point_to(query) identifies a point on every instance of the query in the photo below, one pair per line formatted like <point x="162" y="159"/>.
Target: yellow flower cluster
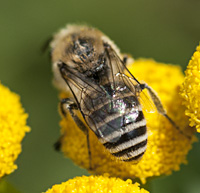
<point x="12" y="129"/>
<point x="167" y="146"/>
<point x="190" y="90"/>
<point x="96" y="184"/>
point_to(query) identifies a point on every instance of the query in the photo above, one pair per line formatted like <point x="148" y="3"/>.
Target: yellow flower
<point x="190" y="90"/>
<point x="96" y="184"/>
<point x="12" y="129"/>
<point x="167" y="146"/>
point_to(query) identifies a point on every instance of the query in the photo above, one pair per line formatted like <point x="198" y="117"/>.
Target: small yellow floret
<point x="190" y="90"/>
<point x="97" y="184"/>
<point x="167" y="147"/>
<point x="12" y="129"/>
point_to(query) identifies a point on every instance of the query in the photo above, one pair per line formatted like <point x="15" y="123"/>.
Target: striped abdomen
<point x="121" y="127"/>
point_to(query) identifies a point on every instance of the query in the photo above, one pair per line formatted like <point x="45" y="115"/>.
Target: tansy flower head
<point x="167" y="146"/>
<point x="190" y="90"/>
<point x="12" y="129"/>
<point x="97" y="184"/>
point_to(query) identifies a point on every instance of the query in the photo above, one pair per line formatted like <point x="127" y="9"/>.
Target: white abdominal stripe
<point x="133" y="151"/>
<point x="130" y="145"/>
<point x="134" y="156"/>
<point x="118" y="133"/>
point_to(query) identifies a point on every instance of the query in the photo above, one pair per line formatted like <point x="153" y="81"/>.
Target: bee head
<point x="87" y="52"/>
<point x="82" y="48"/>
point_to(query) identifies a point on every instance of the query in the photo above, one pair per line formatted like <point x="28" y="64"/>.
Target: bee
<point x="89" y="65"/>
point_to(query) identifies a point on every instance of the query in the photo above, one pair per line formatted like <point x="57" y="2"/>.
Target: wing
<point x="84" y="91"/>
<point x="120" y="107"/>
<point x="123" y="78"/>
<point x="106" y="108"/>
<point x="79" y="85"/>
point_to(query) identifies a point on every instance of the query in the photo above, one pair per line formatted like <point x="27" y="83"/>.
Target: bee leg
<point x="57" y="144"/>
<point x="69" y="105"/>
<point x="156" y="100"/>
<point x="158" y="104"/>
<point x="127" y="59"/>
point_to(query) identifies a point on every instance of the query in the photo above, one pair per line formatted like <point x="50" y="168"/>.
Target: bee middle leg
<point x="68" y="105"/>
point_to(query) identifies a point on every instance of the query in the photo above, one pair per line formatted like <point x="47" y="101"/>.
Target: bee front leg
<point x="68" y="105"/>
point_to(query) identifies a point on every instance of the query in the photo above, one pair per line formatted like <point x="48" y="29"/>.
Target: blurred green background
<point x="167" y="31"/>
